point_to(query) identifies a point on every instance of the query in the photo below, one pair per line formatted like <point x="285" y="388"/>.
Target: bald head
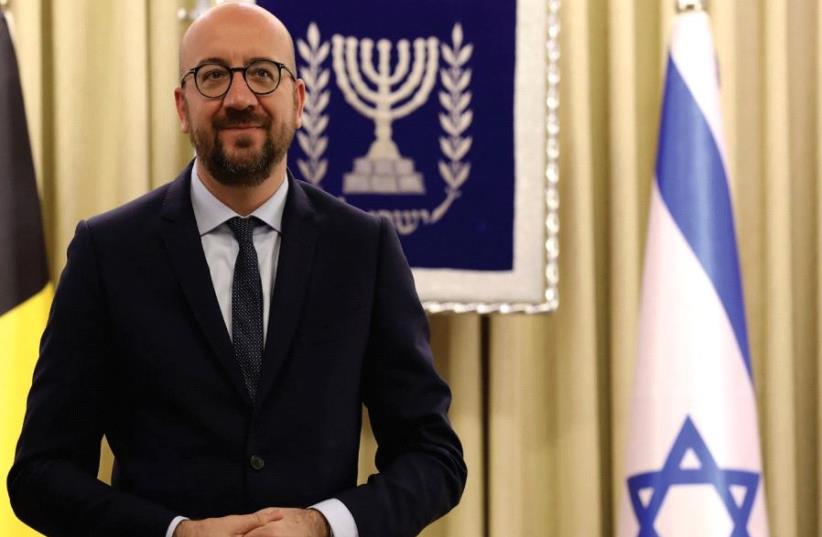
<point x="225" y="25"/>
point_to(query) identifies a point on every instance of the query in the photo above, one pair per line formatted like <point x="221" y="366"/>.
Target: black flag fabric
<point x="23" y="268"/>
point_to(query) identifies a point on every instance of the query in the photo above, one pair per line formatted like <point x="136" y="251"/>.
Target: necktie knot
<point x="243" y="229"/>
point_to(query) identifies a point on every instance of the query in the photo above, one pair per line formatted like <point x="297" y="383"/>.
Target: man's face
<point x="241" y="136"/>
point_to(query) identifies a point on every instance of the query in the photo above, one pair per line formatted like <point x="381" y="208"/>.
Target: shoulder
<point x="129" y="220"/>
<point x="136" y="227"/>
<point x="336" y="213"/>
<point x="133" y="212"/>
<point x="172" y="200"/>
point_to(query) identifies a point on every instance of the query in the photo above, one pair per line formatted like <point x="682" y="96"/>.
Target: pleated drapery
<point x="541" y="403"/>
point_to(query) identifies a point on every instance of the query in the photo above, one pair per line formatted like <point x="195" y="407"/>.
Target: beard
<point x="247" y="167"/>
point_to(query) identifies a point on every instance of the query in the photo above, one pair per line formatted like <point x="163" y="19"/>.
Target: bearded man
<point x="224" y="331"/>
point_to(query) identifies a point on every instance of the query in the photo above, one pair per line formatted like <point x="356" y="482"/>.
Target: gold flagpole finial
<point x="4" y="4"/>
<point x="686" y="6"/>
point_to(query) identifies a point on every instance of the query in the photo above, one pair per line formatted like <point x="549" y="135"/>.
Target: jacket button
<point x="257" y="462"/>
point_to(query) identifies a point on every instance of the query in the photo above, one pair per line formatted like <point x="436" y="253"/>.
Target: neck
<point x="243" y="199"/>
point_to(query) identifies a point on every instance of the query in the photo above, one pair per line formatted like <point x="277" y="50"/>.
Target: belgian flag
<point x="25" y="291"/>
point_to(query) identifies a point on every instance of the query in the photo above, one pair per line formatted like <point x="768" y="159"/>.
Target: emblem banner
<point x="433" y="114"/>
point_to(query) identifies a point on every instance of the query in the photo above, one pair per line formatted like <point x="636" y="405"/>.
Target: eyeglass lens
<point x="261" y="76"/>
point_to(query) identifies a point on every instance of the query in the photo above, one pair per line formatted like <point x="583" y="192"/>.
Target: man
<point x="224" y="331"/>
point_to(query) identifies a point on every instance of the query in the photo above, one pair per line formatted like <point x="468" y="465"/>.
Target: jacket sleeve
<point x="419" y="457"/>
<point x="52" y="484"/>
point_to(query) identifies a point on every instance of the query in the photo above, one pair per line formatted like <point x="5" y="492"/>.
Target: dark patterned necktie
<point x="247" y="305"/>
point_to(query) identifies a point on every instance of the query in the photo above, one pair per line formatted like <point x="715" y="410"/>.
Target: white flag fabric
<point x="693" y="460"/>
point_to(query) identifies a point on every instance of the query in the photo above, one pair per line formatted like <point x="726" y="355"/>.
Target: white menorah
<point x="383" y="170"/>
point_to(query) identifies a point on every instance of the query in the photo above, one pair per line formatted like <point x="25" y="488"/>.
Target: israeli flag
<point x="693" y="461"/>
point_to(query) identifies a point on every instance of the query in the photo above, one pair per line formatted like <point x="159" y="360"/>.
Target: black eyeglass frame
<point x="244" y="70"/>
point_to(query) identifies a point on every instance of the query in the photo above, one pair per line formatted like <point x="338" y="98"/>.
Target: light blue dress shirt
<point x="221" y="248"/>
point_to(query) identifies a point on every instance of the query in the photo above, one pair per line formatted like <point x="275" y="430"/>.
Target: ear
<point x="180" y="103"/>
<point x="299" y="101"/>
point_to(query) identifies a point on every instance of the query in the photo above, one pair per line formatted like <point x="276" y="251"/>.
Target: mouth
<point x="245" y="135"/>
<point x="240" y="127"/>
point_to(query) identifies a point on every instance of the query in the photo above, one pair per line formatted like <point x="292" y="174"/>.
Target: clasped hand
<point x="270" y="522"/>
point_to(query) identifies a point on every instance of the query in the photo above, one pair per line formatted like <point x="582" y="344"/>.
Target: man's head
<point x="241" y="136"/>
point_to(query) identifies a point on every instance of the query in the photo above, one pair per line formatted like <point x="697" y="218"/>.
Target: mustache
<point x="241" y="118"/>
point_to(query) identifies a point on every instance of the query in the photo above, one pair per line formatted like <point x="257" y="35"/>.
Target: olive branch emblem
<point x="311" y="139"/>
<point x="456" y="119"/>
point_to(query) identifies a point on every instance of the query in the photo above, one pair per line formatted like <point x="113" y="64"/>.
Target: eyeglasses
<point x="213" y="80"/>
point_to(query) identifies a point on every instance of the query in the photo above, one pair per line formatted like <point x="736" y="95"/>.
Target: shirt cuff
<point x="338" y="516"/>
<point x="173" y="526"/>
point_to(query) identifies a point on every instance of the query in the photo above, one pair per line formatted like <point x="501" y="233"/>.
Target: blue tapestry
<point x="411" y="114"/>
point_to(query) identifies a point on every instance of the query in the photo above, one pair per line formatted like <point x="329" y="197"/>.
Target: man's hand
<point x="228" y="526"/>
<point x="294" y="523"/>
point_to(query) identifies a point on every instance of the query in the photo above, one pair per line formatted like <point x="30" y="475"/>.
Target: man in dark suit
<point x="224" y="331"/>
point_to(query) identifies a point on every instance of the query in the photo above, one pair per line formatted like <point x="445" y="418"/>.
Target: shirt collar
<point x="210" y="213"/>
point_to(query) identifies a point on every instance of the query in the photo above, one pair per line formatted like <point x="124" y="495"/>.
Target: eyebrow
<point x="221" y="61"/>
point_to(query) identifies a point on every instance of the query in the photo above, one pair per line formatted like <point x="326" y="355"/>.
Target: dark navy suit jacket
<point x="136" y="349"/>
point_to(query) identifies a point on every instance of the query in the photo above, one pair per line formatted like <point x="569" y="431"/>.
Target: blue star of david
<point x="673" y="474"/>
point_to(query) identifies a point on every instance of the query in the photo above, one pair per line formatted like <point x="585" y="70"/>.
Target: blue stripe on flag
<point x="693" y="183"/>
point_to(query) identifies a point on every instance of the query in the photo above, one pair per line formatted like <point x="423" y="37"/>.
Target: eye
<point x="261" y="73"/>
<point x="212" y="73"/>
<point x="215" y="74"/>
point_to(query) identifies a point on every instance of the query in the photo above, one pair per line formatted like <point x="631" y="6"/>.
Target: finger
<point x="270" y="514"/>
<point x="262" y="531"/>
<point x="244" y="523"/>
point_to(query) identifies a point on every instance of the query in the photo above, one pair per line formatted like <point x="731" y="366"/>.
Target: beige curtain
<point x="98" y="78"/>
<point x="540" y="402"/>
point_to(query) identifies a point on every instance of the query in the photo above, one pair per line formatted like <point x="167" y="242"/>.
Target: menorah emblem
<point x="389" y="97"/>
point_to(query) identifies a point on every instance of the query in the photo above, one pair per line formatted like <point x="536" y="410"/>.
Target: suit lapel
<point x="299" y="237"/>
<point x="182" y="241"/>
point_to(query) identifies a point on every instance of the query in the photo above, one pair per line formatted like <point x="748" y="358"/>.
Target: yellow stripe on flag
<point x="20" y="331"/>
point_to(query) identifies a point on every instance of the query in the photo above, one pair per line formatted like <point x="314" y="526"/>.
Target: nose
<point x="239" y="96"/>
